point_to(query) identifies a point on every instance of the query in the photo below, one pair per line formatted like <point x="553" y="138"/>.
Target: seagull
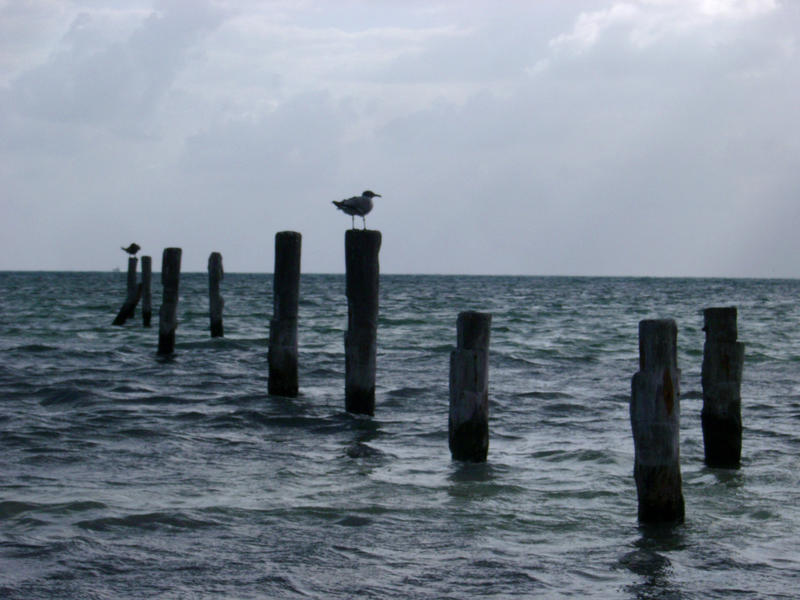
<point x="132" y="249"/>
<point x="357" y="205"/>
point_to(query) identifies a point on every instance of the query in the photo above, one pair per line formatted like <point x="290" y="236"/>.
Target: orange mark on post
<point x="668" y="391"/>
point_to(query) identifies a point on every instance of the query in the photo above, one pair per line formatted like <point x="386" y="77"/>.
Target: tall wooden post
<point x="215" y="301"/>
<point x="468" y="423"/>
<point x="360" y="341"/>
<point x="132" y="262"/>
<point x="283" y="325"/>
<point x="655" y="420"/>
<point x="723" y="360"/>
<point x="168" y="313"/>
<point x="147" y="294"/>
<point x="133" y="294"/>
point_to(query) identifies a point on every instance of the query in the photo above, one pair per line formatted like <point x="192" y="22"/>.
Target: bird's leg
<point x="353" y="219"/>
<point x="365" y="222"/>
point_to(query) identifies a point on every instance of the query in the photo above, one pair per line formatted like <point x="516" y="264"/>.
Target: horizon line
<point x="576" y="276"/>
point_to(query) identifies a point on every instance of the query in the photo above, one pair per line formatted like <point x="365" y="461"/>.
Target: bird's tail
<point x="338" y="203"/>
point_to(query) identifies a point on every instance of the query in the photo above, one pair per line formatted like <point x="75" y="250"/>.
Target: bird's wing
<point x="358" y="204"/>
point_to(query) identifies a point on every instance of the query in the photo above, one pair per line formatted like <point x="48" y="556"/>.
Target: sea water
<point x="126" y="475"/>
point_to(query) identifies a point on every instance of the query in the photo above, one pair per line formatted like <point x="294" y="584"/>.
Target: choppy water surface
<point x="129" y="476"/>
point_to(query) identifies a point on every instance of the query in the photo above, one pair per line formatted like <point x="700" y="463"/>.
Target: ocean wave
<point x="544" y="395"/>
<point x="10" y="508"/>
<point x="33" y="349"/>
<point x="217" y="344"/>
<point x="249" y="418"/>
<point x="154" y="521"/>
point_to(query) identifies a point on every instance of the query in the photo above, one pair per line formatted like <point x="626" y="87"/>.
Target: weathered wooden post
<point x="168" y="313"/>
<point x="468" y="423"/>
<point x="147" y="294"/>
<point x="283" y="325"/>
<point x="655" y="420"/>
<point x="360" y="341"/>
<point x="132" y="298"/>
<point x="215" y="301"/>
<point x="723" y="360"/>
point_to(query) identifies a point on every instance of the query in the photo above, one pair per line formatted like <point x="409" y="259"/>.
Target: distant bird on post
<point x="357" y="206"/>
<point x="132" y="249"/>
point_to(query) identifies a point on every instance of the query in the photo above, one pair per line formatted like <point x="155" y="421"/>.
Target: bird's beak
<point x="379" y="196"/>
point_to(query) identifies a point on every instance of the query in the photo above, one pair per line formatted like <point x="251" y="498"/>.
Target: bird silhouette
<point x="357" y="206"/>
<point x="132" y="249"/>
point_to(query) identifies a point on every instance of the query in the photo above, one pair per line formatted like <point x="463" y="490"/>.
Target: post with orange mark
<point x="468" y="422"/>
<point x="723" y="359"/>
<point x="655" y="420"/>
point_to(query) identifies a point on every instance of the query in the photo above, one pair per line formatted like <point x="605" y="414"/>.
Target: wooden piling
<point x="168" y="313"/>
<point x="655" y="420"/>
<point x="215" y="301"/>
<point x="133" y="294"/>
<point x="360" y="342"/>
<point x="468" y="422"/>
<point x="147" y="294"/>
<point x="723" y="361"/>
<point x="283" y="325"/>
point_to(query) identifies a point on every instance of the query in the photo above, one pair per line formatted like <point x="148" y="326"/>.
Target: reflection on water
<point x="649" y="563"/>
<point x="470" y="472"/>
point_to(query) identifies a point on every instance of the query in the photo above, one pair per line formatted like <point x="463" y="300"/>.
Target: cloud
<point x="91" y="79"/>
<point x="648" y="21"/>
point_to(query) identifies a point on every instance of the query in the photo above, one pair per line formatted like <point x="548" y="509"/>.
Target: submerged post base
<point x="360" y="401"/>
<point x="166" y="343"/>
<point x="282" y="358"/>
<point x="470" y="440"/>
<point x="659" y="489"/>
<point x="722" y="441"/>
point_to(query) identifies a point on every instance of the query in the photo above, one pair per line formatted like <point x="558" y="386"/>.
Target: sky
<point x="541" y="137"/>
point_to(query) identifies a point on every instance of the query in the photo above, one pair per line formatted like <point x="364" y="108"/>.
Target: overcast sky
<point x="630" y="137"/>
